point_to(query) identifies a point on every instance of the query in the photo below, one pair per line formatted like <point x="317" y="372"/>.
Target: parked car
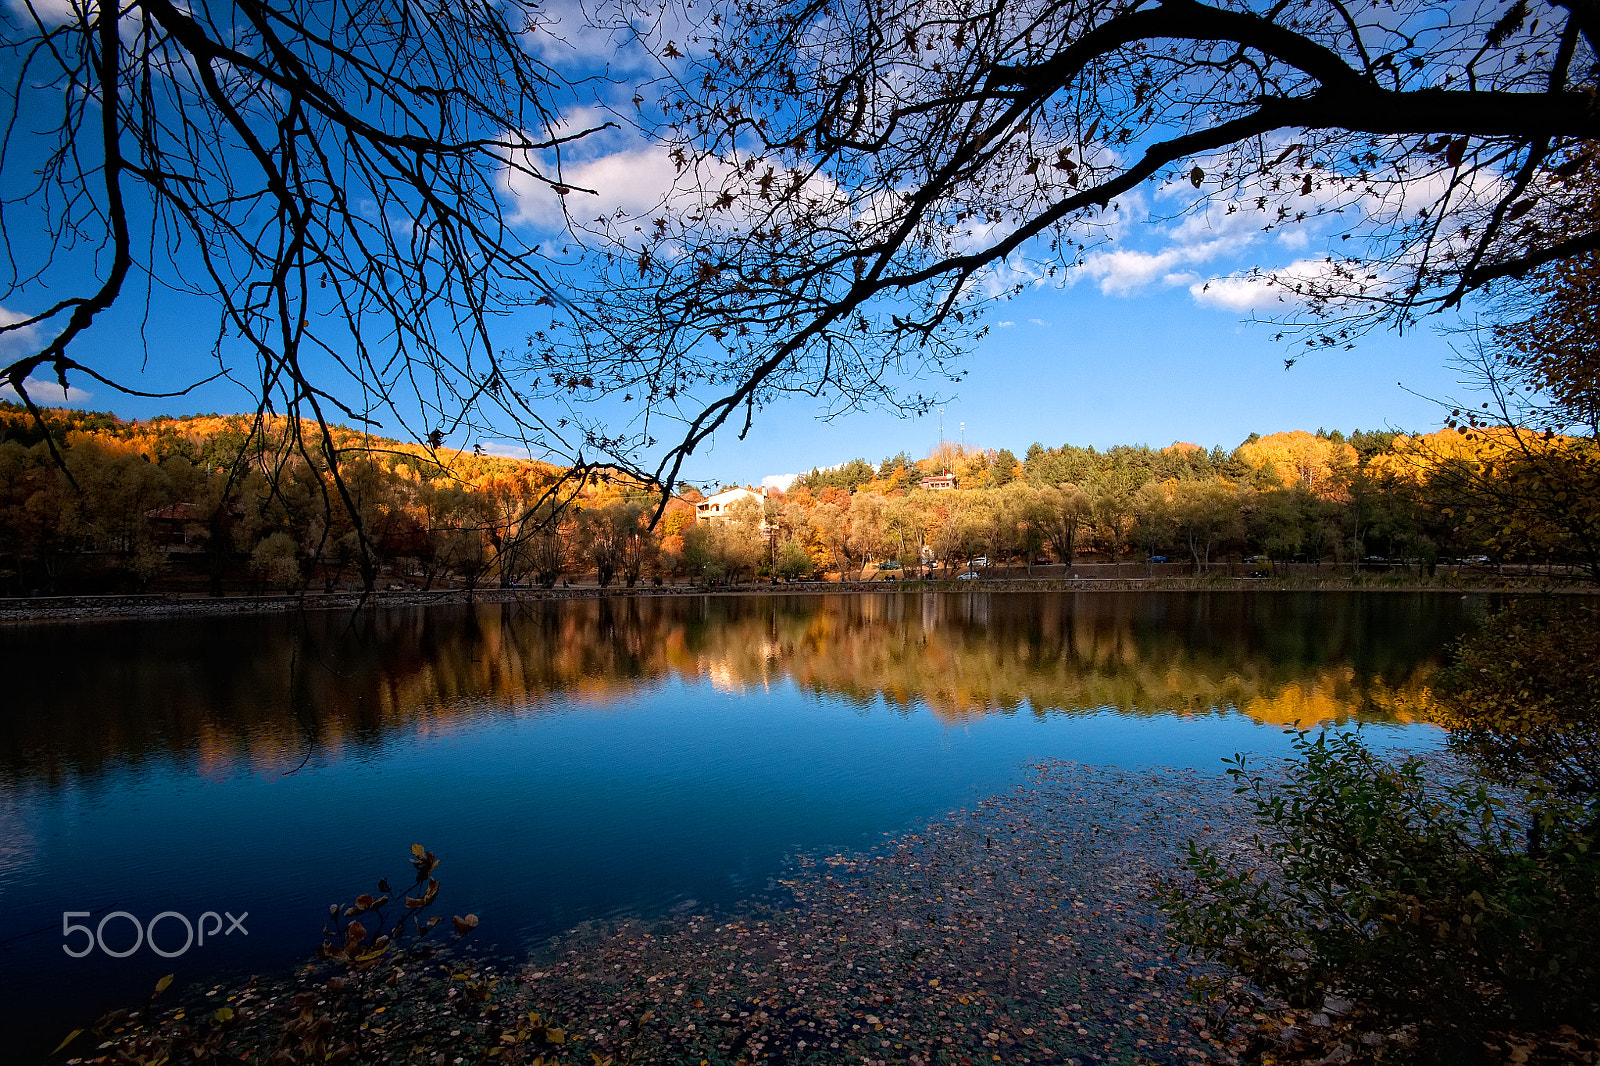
<point x="1476" y="560"/>
<point x="968" y="576"/>
<point x="1256" y="559"/>
<point x="979" y="563"/>
<point x="1156" y="559"/>
<point x="889" y="564"/>
<point x="1041" y="561"/>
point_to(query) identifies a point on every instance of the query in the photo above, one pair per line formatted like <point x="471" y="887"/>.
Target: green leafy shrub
<point x="1423" y="904"/>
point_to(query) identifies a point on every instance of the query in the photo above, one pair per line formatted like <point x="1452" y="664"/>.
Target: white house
<point x="715" y="508"/>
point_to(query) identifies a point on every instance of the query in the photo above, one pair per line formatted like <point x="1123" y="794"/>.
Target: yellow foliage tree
<point x="1312" y="462"/>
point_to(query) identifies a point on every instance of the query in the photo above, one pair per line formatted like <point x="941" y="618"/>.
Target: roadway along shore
<point x="34" y="609"/>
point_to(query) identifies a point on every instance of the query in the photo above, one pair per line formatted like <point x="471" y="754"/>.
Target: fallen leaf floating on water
<point x="1021" y="931"/>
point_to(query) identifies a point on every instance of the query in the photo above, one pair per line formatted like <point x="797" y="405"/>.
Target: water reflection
<point x="579" y="761"/>
<point x="258" y="695"/>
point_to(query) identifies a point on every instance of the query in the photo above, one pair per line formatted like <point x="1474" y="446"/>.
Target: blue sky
<point x="1082" y="367"/>
<point x="1147" y="343"/>
<point x="1075" y="365"/>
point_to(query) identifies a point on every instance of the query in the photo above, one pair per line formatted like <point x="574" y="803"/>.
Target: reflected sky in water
<point x="581" y="760"/>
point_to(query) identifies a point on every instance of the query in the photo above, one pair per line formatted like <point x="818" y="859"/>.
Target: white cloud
<point x="614" y="172"/>
<point x="51" y="13"/>
<point x="634" y="180"/>
<point x="781" y="482"/>
<point x="26" y="335"/>
<point x="1038" y="322"/>
<point x="19" y="343"/>
<point x="47" y="393"/>
<point x="1288" y="285"/>
<point x="1212" y="242"/>
<point x="1003" y="325"/>
<point x="1123" y="272"/>
<point x="1214" y="230"/>
<point x="1250" y="292"/>
<point x="580" y="38"/>
<point x="505" y="449"/>
<point x="1296" y="240"/>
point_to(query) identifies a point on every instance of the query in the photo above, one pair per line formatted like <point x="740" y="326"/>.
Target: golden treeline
<point x="239" y="504"/>
<point x="235" y="503"/>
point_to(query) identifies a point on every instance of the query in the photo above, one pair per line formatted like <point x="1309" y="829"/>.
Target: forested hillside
<point x="227" y="504"/>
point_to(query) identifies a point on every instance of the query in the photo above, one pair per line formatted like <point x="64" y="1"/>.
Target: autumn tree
<point x="1003" y="470"/>
<point x="327" y="178"/>
<point x="1540" y="354"/>
<point x="722" y="549"/>
<point x="897" y="469"/>
<point x="830" y="525"/>
<point x="1522" y="495"/>
<point x="793" y="561"/>
<point x="906" y="524"/>
<point x="1205" y="513"/>
<point x="1534" y="473"/>
<point x="1311" y="461"/>
<point x="869" y="527"/>
<point x="848" y="476"/>
<point x="614" y="538"/>
<point x="1274" y="523"/>
<point x="942" y="525"/>
<point x="1071" y="511"/>
<point x="947" y="456"/>
<point x="543" y="545"/>
<point x="1115" y="512"/>
<point x="639" y="549"/>
<point x="1151" y="508"/>
<point x="451" y="524"/>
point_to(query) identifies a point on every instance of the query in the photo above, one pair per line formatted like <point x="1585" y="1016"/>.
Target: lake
<point x="584" y="760"/>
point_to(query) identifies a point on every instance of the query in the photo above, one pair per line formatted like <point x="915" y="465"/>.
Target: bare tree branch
<point x="859" y="179"/>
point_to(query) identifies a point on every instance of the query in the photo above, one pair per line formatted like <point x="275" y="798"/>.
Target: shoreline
<point x="42" y="609"/>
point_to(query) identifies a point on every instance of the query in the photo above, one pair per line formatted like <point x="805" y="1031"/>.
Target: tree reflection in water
<point x="248" y="694"/>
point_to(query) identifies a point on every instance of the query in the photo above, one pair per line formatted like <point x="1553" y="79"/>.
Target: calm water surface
<point x="583" y="760"/>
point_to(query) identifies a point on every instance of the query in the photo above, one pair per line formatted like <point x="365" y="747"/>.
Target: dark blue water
<point x="581" y="761"/>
